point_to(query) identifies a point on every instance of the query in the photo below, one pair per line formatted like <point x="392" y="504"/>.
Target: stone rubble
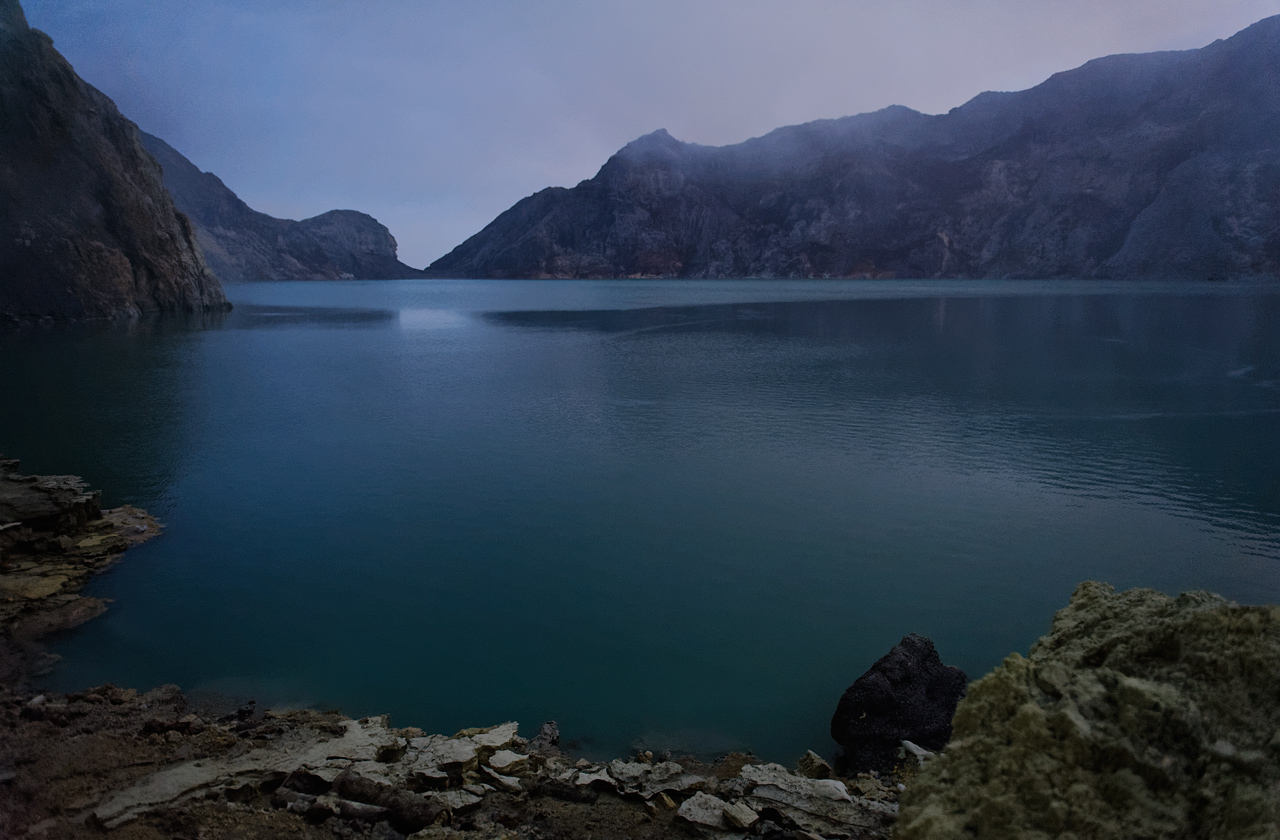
<point x="364" y="771"/>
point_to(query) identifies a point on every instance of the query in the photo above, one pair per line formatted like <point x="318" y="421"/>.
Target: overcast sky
<point x="436" y="115"/>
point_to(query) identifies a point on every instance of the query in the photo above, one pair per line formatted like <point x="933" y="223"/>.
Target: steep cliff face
<point x="87" y="230"/>
<point x="1157" y="165"/>
<point x="242" y="244"/>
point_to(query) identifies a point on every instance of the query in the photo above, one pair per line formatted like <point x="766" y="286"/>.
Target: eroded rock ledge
<point x="53" y="536"/>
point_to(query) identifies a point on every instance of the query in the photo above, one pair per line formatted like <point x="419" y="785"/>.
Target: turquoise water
<point x="671" y="514"/>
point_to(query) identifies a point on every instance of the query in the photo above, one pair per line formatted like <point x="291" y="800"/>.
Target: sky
<point x="434" y="116"/>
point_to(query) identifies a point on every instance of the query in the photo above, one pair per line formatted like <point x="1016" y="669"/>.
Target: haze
<point x="435" y="116"/>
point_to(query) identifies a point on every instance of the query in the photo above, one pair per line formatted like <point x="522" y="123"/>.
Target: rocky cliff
<point x="1156" y="165"/>
<point x="86" y="227"/>
<point x="242" y="244"/>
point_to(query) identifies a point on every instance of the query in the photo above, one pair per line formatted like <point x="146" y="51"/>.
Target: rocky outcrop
<point x="242" y="244"/>
<point x="87" y="229"/>
<point x="907" y="695"/>
<point x="1137" y="716"/>
<point x="53" y="537"/>
<point x="1162" y="165"/>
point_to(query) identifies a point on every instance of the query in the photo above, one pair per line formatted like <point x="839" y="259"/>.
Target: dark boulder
<point x="907" y="695"/>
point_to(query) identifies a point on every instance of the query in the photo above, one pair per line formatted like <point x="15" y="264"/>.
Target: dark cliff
<point x="1155" y="165"/>
<point x="242" y="244"/>
<point x="87" y="230"/>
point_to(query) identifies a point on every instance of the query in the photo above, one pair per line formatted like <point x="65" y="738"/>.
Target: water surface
<point x="676" y="514"/>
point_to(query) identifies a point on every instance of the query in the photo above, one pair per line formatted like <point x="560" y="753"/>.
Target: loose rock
<point x="907" y="694"/>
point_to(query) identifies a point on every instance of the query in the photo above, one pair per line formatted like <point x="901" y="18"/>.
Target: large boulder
<point x="1137" y="716"/>
<point x="908" y="694"/>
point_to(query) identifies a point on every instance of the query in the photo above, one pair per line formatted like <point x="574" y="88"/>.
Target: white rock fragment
<point x="508" y="762"/>
<point x="740" y="815"/>
<point x="497" y="737"/>
<point x="823" y="806"/>
<point x="455" y="800"/>
<point x="650" y="779"/>
<point x="601" y="775"/>
<point x="628" y="773"/>
<point x="507" y="783"/>
<point x="439" y="751"/>
<point x="920" y="754"/>
<point x="704" y="809"/>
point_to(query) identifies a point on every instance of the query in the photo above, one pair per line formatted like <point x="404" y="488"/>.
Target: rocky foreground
<point x="1137" y="716"/>
<point x="140" y="765"/>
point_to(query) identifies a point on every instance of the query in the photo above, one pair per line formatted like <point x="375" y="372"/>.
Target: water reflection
<point x="248" y="316"/>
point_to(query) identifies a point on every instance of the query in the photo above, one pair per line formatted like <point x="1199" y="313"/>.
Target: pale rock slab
<point x="705" y="810"/>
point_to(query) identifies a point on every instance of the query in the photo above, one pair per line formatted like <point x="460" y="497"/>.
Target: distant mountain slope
<point x="1155" y="165"/>
<point x="86" y="228"/>
<point x="242" y="244"/>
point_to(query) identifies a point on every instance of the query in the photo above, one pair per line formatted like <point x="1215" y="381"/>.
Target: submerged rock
<point x="1137" y="716"/>
<point x="908" y="694"/>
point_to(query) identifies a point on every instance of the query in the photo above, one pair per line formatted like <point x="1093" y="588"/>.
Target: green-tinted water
<point x="684" y="514"/>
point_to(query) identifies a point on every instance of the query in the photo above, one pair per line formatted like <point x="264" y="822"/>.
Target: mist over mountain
<point x="242" y="244"/>
<point x="1153" y="165"/>
<point x="86" y="228"/>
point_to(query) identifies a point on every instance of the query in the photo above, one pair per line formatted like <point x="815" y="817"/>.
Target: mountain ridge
<point x="1159" y="164"/>
<point x="242" y="244"/>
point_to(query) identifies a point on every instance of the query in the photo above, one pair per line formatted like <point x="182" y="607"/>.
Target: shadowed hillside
<point x="1156" y="165"/>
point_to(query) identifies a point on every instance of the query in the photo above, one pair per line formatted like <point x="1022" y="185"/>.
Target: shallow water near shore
<point x="665" y="513"/>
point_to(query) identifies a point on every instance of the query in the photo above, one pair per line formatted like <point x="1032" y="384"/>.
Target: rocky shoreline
<point x="1138" y="715"/>
<point x="130" y="764"/>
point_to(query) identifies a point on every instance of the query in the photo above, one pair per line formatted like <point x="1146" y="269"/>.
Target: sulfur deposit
<point x="1137" y="716"/>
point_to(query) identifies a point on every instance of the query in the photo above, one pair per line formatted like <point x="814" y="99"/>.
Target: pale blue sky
<point x="435" y="116"/>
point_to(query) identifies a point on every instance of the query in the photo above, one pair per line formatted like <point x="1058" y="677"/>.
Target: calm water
<point x="678" y="514"/>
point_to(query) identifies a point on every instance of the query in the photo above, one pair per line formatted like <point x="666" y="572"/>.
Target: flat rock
<point x="821" y="805"/>
<point x="651" y="779"/>
<point x="508" y="783"/>
<point x="455" y="800"/>
<point x="600" y="776"/>
<point x="360" y="740"/>
<point x="705" y="810"/>
<point x="30" y="587"/>
<point x="440" y="751"/>
<point x="496" y="737"/>
<point x="506" y="761"/>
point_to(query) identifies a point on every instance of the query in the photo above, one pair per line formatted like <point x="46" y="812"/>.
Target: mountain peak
<point x="658" y="142"/>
